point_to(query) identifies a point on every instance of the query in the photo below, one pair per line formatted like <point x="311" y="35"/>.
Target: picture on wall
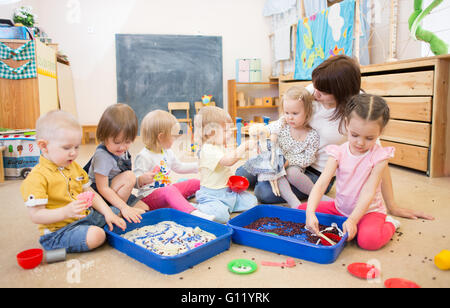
<point x="323" y="35"/>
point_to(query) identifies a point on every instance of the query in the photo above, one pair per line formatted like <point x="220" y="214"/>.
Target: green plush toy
<point x="437" y="46"/>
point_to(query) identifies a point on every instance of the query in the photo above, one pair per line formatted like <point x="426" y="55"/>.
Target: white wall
<point x="407" y="48"/>
<point x="85" y="30"/>
<point x="437" y="22"/>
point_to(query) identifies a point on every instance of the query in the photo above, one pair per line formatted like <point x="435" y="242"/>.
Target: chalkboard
<point x="153" y="70"/>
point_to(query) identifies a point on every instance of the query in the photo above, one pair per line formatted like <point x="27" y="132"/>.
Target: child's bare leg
<point x="95" y="237"/>
<point x="123" y="184"/>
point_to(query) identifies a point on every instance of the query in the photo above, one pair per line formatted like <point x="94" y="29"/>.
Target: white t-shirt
<point x="147" y="160"/>
<point x="328" y="131"/>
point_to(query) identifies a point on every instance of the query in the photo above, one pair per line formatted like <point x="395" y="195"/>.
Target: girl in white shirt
<point x="156" y="161"/>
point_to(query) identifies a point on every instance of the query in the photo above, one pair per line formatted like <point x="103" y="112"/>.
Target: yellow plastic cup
<point x="442" y="260"/>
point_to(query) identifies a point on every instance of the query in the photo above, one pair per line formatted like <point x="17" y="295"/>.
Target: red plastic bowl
<point x="335" y="238"/>
<point x="30" y="258"/>
<point x="238" y="183"/>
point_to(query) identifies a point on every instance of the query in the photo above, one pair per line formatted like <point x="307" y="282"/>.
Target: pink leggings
<point x="373" y="231"/>
<point x="173" y="196"/>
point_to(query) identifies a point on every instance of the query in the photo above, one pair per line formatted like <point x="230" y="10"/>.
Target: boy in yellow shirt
<point x="50" y="190"/>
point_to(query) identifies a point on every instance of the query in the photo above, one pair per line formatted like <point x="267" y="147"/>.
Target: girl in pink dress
<point x="358" y="165"/>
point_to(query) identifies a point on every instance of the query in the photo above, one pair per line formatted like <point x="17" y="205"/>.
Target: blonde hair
<point x="155" y="123"/>
<point x="300" y="94"/>
<point x="51" y="123"/>
<point x="117" y="118"/>
<point x="210" y="121"/>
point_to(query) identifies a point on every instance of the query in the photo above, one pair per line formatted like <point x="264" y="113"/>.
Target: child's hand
<point x="311" y="223"/>
<point x="147" y="178"/>
<point x="73" y="209"/>
<point x="114" y="219"/>
<point x="350" y="227"/>
<point x="132" y="214"/>
<point x="409" y="213"/>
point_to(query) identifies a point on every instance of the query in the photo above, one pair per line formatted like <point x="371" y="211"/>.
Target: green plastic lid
<point x="242" y="266"/>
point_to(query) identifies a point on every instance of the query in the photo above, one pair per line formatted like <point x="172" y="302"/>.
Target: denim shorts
<point x="73" y="236"/>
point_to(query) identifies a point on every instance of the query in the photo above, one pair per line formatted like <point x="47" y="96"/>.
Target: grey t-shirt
<point x="105" y="164"/>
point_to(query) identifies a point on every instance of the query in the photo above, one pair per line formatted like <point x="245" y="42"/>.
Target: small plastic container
<point x="238" y="183"/>
<point x="55" y="255"/>
<point x="30" y="258"/>
<point x="172" y="264"/>
<point x="281" y="244"/>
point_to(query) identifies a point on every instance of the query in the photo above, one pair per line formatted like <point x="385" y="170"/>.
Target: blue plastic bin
<point x="282" y="244"/>
<point x="172" y="264"/>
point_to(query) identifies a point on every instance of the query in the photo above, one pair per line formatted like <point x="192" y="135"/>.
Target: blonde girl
<point x="110" y="167"/>
<point x="298" y="143"/>
<point x="156" y="161"/>
<point x="213" y="125"/>
<point x="358" y="164"/>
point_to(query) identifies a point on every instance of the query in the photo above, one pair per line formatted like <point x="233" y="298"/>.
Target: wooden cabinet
<point x="23" y="101"/>
<point x="418" y="95"/>
<point x="253" y="93"/>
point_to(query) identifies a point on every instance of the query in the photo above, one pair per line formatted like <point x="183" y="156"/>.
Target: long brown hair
<point x="339" y="76"/>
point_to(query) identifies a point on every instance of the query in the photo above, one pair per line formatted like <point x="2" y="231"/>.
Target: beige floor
<point x="409" y="255"/>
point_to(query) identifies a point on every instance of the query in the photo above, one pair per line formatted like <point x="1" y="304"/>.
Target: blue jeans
<point x="73" y="236"/>
<point x="263" y="190"/>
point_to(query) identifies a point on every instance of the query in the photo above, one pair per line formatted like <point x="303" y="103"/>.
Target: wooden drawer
<point x="414" y="133"/>
<point x="284" y="86"/>
<point x="408" y="155"/>
<point x="410" y="108"/>
<point x="401" y="84"/>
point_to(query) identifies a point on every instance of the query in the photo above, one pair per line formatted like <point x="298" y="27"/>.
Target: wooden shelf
<point x="258" y="83"/>
<point x="256" y="107"/>
<point x="257" y="90"/>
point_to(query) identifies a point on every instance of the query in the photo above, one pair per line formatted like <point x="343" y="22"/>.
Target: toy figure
<point x="266" y="161"/>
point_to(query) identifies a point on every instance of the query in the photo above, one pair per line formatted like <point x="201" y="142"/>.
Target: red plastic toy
<point x="238" y="183"/>
<point x="30" y="258"/>
<point x="400" y="283"/>
<point x="87" y="196"/>
<point x="290" y="262"/>
<point x="335" y="238"/>
<point x="363" y="270"/>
